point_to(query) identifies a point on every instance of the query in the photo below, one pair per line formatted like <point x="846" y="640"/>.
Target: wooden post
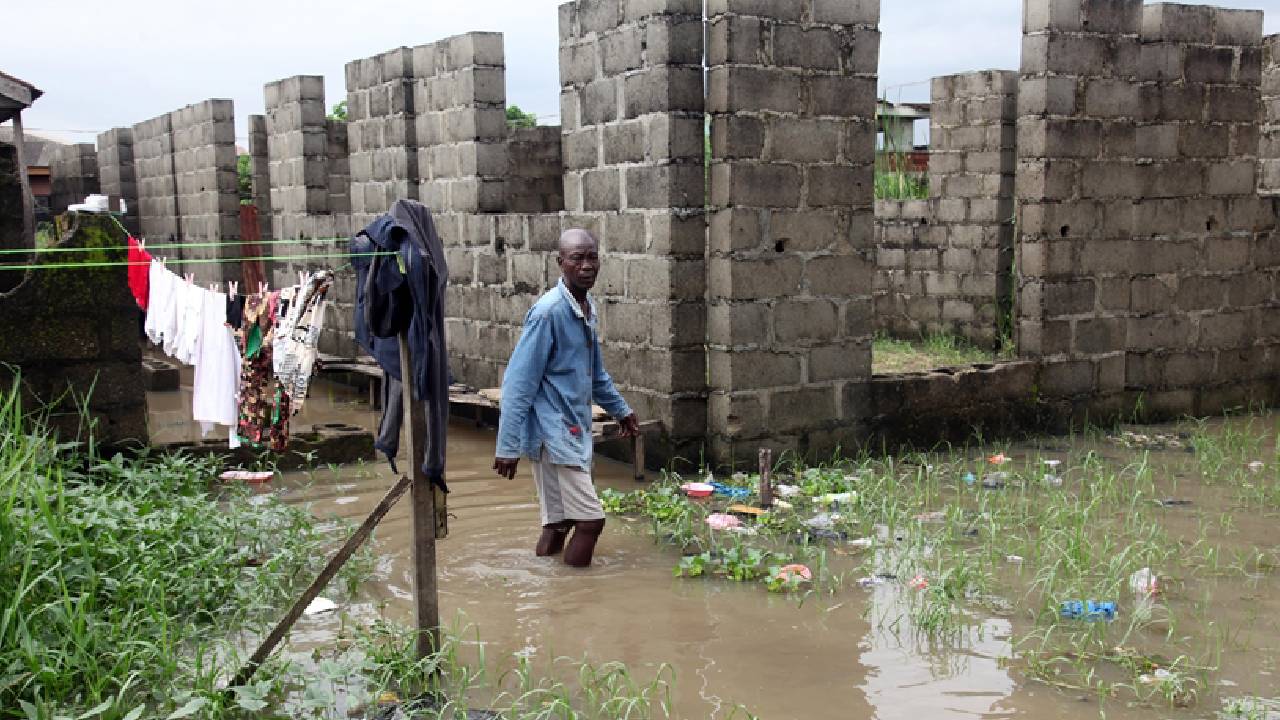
<point x="766" y="481"/>
<point x="637" y="445"/>
<point x="355" y="541"/>
<point x="426" y="597"/>
<point x="28" y="208"/>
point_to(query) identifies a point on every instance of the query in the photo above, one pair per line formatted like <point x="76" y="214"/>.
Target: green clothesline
<point x="165" y="245"/>
<point x="194" y="261"/>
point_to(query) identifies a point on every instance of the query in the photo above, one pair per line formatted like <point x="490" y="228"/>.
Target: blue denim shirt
<point x="555" y="373"/>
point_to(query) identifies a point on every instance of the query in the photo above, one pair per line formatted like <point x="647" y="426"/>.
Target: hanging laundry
<point x="160" y="322"/>
<point x="190" y="313"/>
<point x="298" y="336"/>
<point x="217" y="376"/>
<point x="139" y="272"/>
<point x="416" y="276"/>
<point x="264" y="406"/>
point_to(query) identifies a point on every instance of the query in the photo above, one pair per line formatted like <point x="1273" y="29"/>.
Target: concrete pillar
<point x="260" y="163"/>
<point x="381" y="133"/>
<point x="116" y="173"/>
<point x="74" y="175"/>
<point x="792" y="99"/>
<point x="297" y="146"/>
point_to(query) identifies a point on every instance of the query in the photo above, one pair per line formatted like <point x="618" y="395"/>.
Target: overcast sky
<point x="113" y="64"/>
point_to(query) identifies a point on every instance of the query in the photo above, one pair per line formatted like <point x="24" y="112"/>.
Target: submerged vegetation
<point x="945" y="540"/>
<point x="135" y="587"/>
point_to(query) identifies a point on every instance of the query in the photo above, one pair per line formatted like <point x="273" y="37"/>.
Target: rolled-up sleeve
<point x="521" y="383"/>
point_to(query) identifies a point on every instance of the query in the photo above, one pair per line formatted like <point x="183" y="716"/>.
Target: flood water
<point x="731" y="645"/>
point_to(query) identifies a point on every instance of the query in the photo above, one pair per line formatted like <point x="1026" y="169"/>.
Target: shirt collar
<point x="573" y="303"/>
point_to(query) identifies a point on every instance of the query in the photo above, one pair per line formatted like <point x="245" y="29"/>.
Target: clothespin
<point x="190" y="278"/>
<point x="142" y="243"/>
<point x="263" y="288"/>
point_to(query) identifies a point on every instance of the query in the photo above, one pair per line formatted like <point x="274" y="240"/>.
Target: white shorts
<point x="565" y="492"/>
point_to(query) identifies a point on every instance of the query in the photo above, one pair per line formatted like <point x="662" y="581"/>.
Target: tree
<point x="339" y="112"/>
<point x="517" y="118"/>
<point x="244" y="171"/>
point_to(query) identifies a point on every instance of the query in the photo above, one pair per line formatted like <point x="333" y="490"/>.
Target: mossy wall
<point x="72" y="334"/>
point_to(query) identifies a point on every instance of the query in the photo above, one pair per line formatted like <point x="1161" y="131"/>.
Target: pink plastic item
<point x="248" y="476"/>
<point x="720" y="521"/>
<point x="697" y="489"/>
<point x="795" y="571"/>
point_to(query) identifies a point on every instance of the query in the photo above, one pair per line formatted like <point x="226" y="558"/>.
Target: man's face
<point x="580" y="262"/>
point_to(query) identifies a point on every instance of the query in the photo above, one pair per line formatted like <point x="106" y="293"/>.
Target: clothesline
<point x="193" y="261"/>
<point x="163" y="245"/>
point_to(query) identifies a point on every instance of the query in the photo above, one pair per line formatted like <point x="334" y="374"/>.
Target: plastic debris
<point x="970" y="478"/>
<point x="783" y="504"/>
<point x="1160" y="675"/>
<point x="999" y="459"/>
<point x="248" y="476"/>
<point x="720" y="521"/>
<point x="1144" y="583"/>
<point x="740" y="477"/>
<point x="1053" y="463"/>
<point x="1256" y="466"/>
<point x="865" y="542"/>
<point x="730" y="491"/>
<point x="1052" y="480"/>
<point x="837" y="498"/>
<point x="919" y="582"/>
<point x="786" y="490"/>
<point x="745" y="510"/>
<point x="870" y="581"/>
<point x="823" y="521"/>
<point x="996" y="481"/>
<point x="387" y="697"/>
<point x="795" y="571"/>
<point x="1173" y="502"/>
<point x="698" y="489"/>
<point x="1089" y="610"/>
<point x="743" y="530"/>
<point x="936" y="516"/>
<point x="320" y="605"/>
<point x="1013" y="559"/>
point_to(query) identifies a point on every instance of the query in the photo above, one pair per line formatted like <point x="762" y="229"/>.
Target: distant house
<point x="38" y="153"/>
<point x="896" y="135"/>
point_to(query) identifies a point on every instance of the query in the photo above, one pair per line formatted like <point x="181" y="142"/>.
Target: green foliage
<point x="339" y="112"/>
<point x="894" y="355"/>
<point x="517" y="118"/>
<point x="244" y="178"/>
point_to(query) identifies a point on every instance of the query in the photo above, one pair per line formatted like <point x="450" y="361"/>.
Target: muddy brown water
<point x="731" y="645"/>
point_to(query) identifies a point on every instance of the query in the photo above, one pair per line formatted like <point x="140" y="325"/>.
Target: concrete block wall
<point x="381" y="133"/>
<point x="259" y="161"/>
<point x="116" y="175"/>
<point x="792" y="98"/>
<point x="1269" y="142"/>
<point x="534" y="182"/>
<point x="1146" y="255"/>
<point x="459" y="101"/>
<point x="945" y="264"/>
<point x="74" y="175"/>
<point x="338" y="165"/>
<point x="157" y="183"/>
<point x="297" y="152"/>
<point x="632" y="117"/>
<point x="206" y="177"/>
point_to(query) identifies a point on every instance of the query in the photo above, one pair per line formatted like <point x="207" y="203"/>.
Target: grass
<point x="960" y="534"/>
<point x="893" y="356"/>
<point x="900" y="185"/>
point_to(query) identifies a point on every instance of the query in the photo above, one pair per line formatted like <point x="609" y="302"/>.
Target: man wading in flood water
<point x="555" y="373"/>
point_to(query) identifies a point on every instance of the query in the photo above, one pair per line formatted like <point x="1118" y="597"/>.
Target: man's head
<point x="579" y="259"/>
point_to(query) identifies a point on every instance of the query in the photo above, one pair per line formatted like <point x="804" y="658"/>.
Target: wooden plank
<point x="28" y="207"/>
<point x="339" y="559"/>
<point x="426" y="597"/>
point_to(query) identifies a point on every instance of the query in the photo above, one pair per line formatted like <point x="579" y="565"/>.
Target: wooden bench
<point x="466" y="401"/>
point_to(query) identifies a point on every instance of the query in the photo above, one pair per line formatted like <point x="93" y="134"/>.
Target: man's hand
<point x="506" y="468"/>
<point x="629" y="426"/>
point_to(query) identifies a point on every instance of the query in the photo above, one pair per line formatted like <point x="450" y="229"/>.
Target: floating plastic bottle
<point x="1089" y="610"/>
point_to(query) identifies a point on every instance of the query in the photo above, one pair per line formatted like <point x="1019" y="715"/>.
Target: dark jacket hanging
<point x="398" y="293"/>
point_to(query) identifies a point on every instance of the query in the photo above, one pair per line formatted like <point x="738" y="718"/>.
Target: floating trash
<point x="936" y="516"/>
<point x="1159" y="676"/>
<point x="746" y="510"/>
<point x="838" y="498"/>
<point x="919" y="582"/>
<point x="1131" y="439"/>
<point x="999" y="459"/>
<point x="823" y="521"/>
<point x="870" y="581"/>
<point x="1144" y="583"/>
<point x="1053" y="463"/>
<point x="1052" y="480"/>
<point x="248" y="476"/>
<point x="1256" y="466"/>
<point x="698" y="489"/>
<point x="970" y="478"/>
<point x="720" y="521"/>
<point x="865" y="542"/>
<point x="794" y="572"/>
<point x="778" y="503"/>
<point x="996" y="481"/>
<point x="730" y="491"/>
<point x="1090" y="610"/>
<point x="320" y="605"/>
<point x="740" y="478"/>
<point x="786" y="491"/>
<point x="1013" y="559"/>
<point x="1173" y="502"/>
